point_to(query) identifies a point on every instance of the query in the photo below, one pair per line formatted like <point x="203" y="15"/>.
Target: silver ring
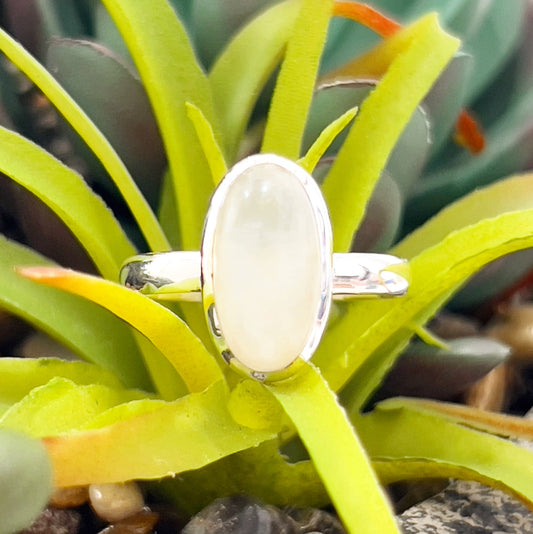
<point x="266" y="273"/>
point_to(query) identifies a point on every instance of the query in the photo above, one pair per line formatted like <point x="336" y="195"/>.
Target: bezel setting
<point x="323" y="236"/>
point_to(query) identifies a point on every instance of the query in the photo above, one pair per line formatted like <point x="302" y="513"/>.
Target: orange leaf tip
<point x="367" y="16"/>
<point x="42" y="273"/>
<point x="468" y="133"/>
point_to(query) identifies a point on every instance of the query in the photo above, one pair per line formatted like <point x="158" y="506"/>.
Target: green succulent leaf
<point x="155" y="43"/>
<point x="91" y="135"/>
<point x="251" y="405"/>
<point x="381" y="223"/>
<point x="509" y="147"/>
<point x="261" y="471"/>
<point x="165" y="330"/>
<point x="206" y="136"/>
<point x="59" y="19"/>
<point x="443" y="373"/>
<point x="410" y="152"/>
<point x="509" y="195"/>
<point x="451" y="10"/>
<point x="61" y="406"/>
<point x="61" y="189"/>
<point x="443" y="253"/>
<point x="445" y="100"/>
<point x="107" y="34"/>
<point x="18" y="376"/>
<point x="290" y="102"/>
<point x="25" y="471"/>
<point x="168" y="212"/>
<point x="490" y="32"/>
<point x="243" y="68"/>
<point x="326" y="138"/>
<point x="103" y="340"/>
<point x="491" y="422"/>
<point x="348" y="481"/>
<point x="494" y="280"/>
<point x="410" y="72"/>
<point x="331" y="100"/>
<point x="117" y="104"/>
<point x="183" y="9"/>
<point x="213" y="24"/>
<point x="396" y="469"/>
<point x="388" y="433"/>
<point x="182" y="435"/>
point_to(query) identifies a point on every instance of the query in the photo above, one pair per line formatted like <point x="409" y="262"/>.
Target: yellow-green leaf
<point x="491" y="422"/>
<point x="206" y="136"/>
<point x="392" y="470"/>
<point x="296" y="81"/>
<point x="369" y="335"/>
<point x="61" y="406"/>
<point x="166" y="331"/>
<point x="253" y="406"/>
<point x="511" y="194"/>
<point x="90" y="134"/>
<point x="18" y="376"/>
<point x="336" y="452"/>
<point x="164" y="57"/>
<point x="414" y="58"/>
<point x="68" y="196"/>
<point x="89" y="331"/>
<point x="400" y="433"/>
<point x="261" y="471"/>
<point x="324" y="140"/>
<point x="178" y="436"/>
<point x="243" y="68"/>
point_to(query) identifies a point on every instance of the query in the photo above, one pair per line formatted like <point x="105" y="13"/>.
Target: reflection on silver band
<point x="176" y="275"/>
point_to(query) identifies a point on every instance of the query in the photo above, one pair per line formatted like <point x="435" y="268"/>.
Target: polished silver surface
<point x="366" y="275"/>
<point x="176" y="275"/>
<point x="165" y="275"/>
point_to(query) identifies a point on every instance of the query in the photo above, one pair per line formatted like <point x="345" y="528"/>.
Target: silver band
<point x="176" y="275"/>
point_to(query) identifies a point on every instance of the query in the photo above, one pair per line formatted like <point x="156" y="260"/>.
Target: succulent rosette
<point x="151" y="131"/>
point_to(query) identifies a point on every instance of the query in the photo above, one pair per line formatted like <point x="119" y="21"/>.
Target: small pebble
<point x="115" y="502"/>
<point x="69" y="497"/>
<point x="244" y="515"/>
<point x="240" y="515"/>
<point x="39" y="345"/>
<point x="448" y="325"/>
<point x="515" y="328"/>
<point x="55" y="521"/>
<point x="468" y="508"/>
<point x="493" y="392"/>
<point x="407" y="493"/>
<point x="311" y="520"/>
<point x="141" y="523"/>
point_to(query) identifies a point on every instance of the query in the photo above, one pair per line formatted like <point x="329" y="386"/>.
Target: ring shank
<point x="176" y="275"/>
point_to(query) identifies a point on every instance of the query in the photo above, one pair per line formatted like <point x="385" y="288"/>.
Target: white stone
<point x="267" y="268"/>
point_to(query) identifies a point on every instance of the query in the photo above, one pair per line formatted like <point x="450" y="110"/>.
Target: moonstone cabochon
<point x="266" y="263"/>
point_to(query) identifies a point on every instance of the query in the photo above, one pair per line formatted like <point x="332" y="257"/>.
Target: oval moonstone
<point x="267" y="267"/>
